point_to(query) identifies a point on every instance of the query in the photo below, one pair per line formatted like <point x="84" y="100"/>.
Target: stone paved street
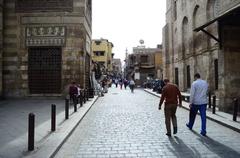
<point x="125" y="124"/>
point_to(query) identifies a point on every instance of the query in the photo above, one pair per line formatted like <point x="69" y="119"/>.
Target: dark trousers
<point x="74" y="99"/>
<point x="192" y="115"/>
<point x="131" y="87"/>
<point x="170" y="114"/>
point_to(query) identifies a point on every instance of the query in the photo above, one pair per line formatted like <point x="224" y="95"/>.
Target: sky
<point x="125" y="22"/>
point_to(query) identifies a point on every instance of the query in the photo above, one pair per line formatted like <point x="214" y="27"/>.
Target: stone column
<point x="231" y="75"/>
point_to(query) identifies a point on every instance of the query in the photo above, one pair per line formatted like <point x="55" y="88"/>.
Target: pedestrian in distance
<point x="132" y="85"/>
<point x="172" y="97"/>
<point x="125" y="82"/>
<point x="121" y="83"/>
<point x="73" y="92"/>
<point x="198" y="102"/>
<point x="99" y="89"/>
<point x="116" y="82"/>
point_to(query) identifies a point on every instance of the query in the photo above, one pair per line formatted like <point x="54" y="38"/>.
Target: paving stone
<point x="125" y="124"/>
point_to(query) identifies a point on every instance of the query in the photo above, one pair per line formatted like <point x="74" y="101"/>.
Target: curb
<point x="70" y="133"/>
<point x="48" y="148"/>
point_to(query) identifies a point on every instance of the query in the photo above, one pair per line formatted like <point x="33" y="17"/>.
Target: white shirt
<point x="198" y="93"/>
<point x="132" y="82"/>
<point x="79" y="91"/>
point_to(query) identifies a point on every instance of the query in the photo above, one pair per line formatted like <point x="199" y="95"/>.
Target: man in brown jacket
<point x="172" y="97"/>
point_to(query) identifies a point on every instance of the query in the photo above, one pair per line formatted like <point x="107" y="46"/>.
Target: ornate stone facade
<point x="56" y="31"/>
<point x="45" y="36"/>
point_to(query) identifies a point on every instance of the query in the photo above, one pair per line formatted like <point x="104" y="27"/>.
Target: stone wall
<point x="231" y="64"/>
<point x="76" y="45"/>
<point x="183" y="46"/>
<point x="186" y="49"/>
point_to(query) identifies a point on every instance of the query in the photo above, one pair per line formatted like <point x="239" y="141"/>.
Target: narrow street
<point x="125" y="124"/>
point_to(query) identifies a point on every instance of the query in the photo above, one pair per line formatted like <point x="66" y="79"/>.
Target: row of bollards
<point x="31" y="117"/>
<point x="213" y="106"/>
<point x="31" y="126"/>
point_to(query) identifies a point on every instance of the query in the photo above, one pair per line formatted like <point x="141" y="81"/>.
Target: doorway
<point x="44" y="70"/>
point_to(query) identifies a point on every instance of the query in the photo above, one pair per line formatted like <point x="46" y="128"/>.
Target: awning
<point x="147" y="66"/>
<point x="221" y="16"/>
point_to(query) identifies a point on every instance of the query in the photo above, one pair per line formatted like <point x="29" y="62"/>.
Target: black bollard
<point x="84" y="96"/>
<point x="214" y="104"/>
<point x="66" y="108"/>
<point x="235" y="109"/>
<point x="75" y="104"/>
<point x="87" y="94"/>
<point x="209" y="100"/>
<point x="81" y="99"/>
<point x="31" y="124"/>
<point x="53" y="116"/>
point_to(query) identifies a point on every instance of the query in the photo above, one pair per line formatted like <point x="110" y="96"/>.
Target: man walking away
<point x="116" y="82"/>
<point x="172" y="97"/>
<point x="132" y="85"/>
<point x="198" y="101"/>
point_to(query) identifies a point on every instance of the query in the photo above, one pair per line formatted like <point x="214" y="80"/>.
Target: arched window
<point x="185" y="32"/>
<point x="89" y="4"/>
<point x="175" y="10"/>
<point x="89" y="7"/>
<point x="195" y="16"/>
<point x="211" y="28"/>
<point x="197" y="36"/>
<point x="176" y="43"/>
<point x="210" y="9"/>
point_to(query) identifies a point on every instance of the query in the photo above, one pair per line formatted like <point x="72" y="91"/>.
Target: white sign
<point x="137" y="76"/>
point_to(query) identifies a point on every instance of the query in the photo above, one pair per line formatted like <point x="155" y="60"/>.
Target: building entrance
<point x="44" y="70"/>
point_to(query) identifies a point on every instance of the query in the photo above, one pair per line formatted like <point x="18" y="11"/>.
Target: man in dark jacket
<point x="172" y="97"/>
<point x="73" y="92"/>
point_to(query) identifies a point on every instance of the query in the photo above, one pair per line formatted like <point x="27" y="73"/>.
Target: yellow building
<point x="102" y="53"/>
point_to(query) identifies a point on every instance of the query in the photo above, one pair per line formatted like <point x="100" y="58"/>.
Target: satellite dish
<point x="141" y="41"/>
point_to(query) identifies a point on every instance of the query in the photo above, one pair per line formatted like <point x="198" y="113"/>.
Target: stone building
<point x="117" y="67"/>
<point x="203" y="36"/>
<point x="140" y="65"/>
<point x="45" y="44"/>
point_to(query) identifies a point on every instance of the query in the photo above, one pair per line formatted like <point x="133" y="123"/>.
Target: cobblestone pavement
<point x="125" y="124"/>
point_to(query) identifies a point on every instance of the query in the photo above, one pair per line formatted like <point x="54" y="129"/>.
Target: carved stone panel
<point x="43" y="5"/>
<point x="45" y="36"/>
